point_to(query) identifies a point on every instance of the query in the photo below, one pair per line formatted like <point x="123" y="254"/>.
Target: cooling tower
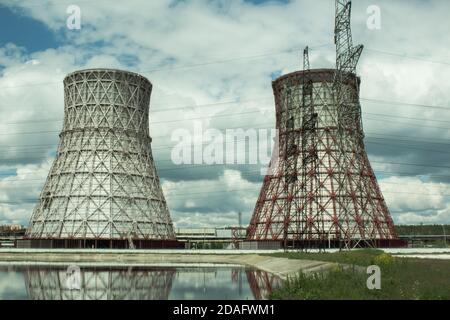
<point x="302" y="200"/>
<point x="103" y="189"/>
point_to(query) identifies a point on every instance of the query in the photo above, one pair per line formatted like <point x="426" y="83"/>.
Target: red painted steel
<point x="301" y="200"/>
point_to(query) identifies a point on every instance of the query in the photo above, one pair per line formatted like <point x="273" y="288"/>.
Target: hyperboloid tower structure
<point x="322" y="191"/>
<point x="103" y="189"/>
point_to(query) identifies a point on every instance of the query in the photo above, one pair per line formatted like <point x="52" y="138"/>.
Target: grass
<point x="401" y="278"/>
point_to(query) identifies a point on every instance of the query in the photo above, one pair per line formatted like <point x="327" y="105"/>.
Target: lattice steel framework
<point x="323" y="188"/>
<point x="103" y="183"/>
<point x="300" y="199"/>
<point x="348" y="108"/>
<point x="43" y="283"/>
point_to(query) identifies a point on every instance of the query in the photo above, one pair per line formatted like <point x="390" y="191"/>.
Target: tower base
<point x="321" y="244"/>
<point x="97" y="244"/>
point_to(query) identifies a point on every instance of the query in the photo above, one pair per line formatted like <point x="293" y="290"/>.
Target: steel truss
<point x="103" y="183"/>
<point x="323" y="189"/>
<point x="306" y="209"/>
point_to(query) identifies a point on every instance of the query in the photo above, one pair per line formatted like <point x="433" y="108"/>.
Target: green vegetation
<point x="401" y="278"/>
<point x="431" y="229"/>
<point x="422" y="231"/>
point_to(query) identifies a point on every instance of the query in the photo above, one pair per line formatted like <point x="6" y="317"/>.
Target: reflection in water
<point x="262" y="283"/>
<point x="99" y="284"/>
<point x="137" y="283"/>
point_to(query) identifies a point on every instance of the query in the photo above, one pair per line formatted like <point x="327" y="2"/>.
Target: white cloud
<point x="173" y="46"/>
<point x="211" y="202"/>
<point x="413" y="201"/>
<point x="18" y="193"/>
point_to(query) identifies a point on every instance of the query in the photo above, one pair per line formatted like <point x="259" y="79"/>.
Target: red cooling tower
<point x="313" y="197"/>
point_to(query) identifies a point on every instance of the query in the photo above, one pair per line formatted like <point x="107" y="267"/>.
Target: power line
<point x="412" y="164"/>
<point x="198" y="166"/>
<point x="221" y="193"/>
<point x="240" y="140"/>
<point x="152" y="111"/>
<point x="220" y="116"/>
<point x="405" y="103"/>
<point x="403" y="117"/>
<point x="410" y="140"/>
<point x="188" y="66"/>
<point x="162" y="147"/>
<point x="406" y="123"/>
<point x="236" y="101"/>
<point x="290" y="50"/>
<point x="153" y="123"/>
<point x="249" y="173"/>
<point x="407" y="147"/>
<point x="406" y="56"/>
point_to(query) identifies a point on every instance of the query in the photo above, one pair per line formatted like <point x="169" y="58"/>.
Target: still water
<point x="137" y="283"/>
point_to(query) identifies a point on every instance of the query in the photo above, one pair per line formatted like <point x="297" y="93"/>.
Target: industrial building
<point x="9" y="234"/>
<point x="103" y="190"/>
<point x="211" y="238"/>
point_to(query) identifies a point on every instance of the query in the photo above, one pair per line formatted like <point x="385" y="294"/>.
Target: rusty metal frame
<point x="314" y="198"/>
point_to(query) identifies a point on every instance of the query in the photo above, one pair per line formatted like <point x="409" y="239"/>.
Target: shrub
<point x="384" y="259"/>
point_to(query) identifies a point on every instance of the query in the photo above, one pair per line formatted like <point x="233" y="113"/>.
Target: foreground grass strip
<point x="401" y="278"/>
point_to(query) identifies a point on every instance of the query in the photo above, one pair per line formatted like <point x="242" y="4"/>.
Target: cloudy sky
<point x="213" y="62"/>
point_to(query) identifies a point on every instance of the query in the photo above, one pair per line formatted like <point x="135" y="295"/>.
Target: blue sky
<point x="34" y="35"/>
<point x="24" y="31"/>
